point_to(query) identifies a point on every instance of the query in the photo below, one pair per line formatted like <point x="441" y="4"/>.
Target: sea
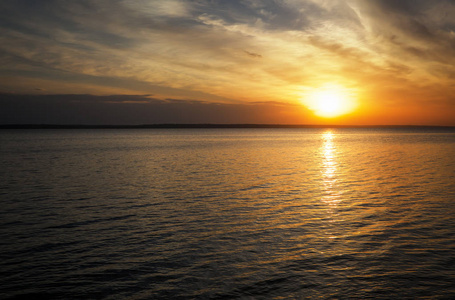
<point x="227" y="213"/>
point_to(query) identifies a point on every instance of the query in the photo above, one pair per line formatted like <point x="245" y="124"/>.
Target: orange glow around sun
<point x="330" y="101"/>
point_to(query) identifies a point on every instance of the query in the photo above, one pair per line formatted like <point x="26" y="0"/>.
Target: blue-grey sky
<point x="247" y="61"/>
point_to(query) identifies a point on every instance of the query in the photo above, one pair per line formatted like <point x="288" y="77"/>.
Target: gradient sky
<point x="209" y="61"/>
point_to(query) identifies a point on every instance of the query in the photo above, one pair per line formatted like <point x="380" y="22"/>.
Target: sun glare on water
<point x="330" y="101"/>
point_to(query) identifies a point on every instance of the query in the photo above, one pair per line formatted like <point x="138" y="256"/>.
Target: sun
<point x="330" y="101"/>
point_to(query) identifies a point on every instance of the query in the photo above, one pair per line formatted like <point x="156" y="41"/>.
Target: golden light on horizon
<point x="239" y="62"/>
<point x="330" y="101"/>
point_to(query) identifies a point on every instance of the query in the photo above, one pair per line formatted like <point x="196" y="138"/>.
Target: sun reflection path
<point x="331" y="194"/>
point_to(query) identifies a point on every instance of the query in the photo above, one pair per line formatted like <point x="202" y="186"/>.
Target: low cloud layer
<point x="136" y="110"/>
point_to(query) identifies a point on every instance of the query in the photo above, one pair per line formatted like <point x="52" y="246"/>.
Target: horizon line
<point x="206" y="125"/>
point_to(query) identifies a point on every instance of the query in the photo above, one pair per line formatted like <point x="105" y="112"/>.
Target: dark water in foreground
<point x="227" y="213"/>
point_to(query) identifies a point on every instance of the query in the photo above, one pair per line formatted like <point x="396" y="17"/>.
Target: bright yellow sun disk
<point x="330" y="101"/>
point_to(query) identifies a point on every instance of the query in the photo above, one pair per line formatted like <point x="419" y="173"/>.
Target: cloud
<point x="252" y="54"/>
<point x="416" y="28"/>
<point x="139" y="109"/>
<point x="244" y="51"/>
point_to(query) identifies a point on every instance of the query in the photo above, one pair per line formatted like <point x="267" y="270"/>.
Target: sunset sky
<point x="208" y="61"/>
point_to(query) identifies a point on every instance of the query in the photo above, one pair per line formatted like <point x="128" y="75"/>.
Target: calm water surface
<point x="227" y="213"/>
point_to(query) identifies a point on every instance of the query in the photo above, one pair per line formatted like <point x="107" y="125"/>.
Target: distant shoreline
<point x="208" y="126"/>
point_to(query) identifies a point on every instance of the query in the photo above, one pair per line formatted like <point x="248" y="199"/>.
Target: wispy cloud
<point x="231" y="50"/>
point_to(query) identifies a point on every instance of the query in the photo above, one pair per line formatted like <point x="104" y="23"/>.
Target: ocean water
<point x="227" y="214"/>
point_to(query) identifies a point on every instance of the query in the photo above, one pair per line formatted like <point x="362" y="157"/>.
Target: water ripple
<point x="340" y="214"/>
